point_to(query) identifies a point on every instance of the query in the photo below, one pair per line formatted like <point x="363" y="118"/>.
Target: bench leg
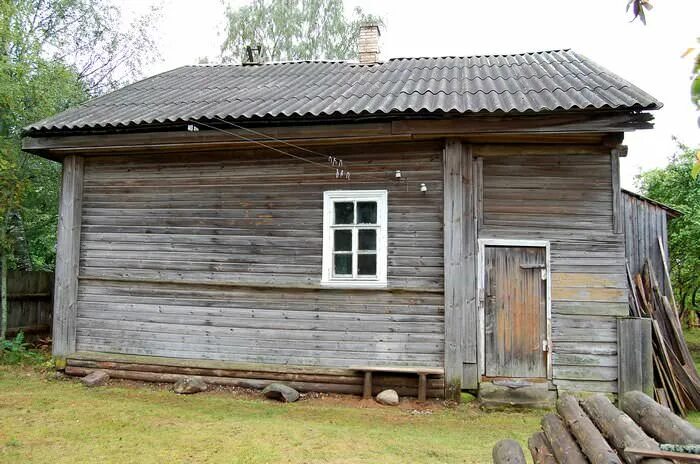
<point x="422" y="387"/>
<point x="367" y="388"/>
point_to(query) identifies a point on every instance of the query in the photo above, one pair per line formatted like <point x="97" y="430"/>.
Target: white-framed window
<point x="354" y="238"/>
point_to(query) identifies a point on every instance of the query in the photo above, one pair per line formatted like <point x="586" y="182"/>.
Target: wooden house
<point x="208" y="227"/>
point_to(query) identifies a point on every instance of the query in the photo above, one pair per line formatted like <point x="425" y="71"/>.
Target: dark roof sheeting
<point x="530" y="82"/>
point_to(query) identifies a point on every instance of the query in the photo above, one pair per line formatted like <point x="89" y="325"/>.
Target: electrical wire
<point x="269" y="147"/>
<point x="387" y="176"/>
<point x="269" y="137"/>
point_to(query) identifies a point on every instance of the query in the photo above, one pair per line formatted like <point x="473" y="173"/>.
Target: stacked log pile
<point x="676" y="380"/>
<point x="595" y="431"/>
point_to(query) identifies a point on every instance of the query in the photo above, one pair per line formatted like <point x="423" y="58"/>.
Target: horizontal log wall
<point x="219" y="257"/>
<point x="157" y="369"/>
<point x="567" y="200"/>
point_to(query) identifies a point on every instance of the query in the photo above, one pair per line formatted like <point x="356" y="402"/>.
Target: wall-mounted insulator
<point x="398" y="174"/>
<point x="192" y="128"/>
<point x="423" y="188"/>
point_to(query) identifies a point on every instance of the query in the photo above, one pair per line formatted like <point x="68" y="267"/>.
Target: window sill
<point x="356" y="284"/>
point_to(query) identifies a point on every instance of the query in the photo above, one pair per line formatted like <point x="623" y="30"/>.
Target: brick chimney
<point x="369" y="43"/>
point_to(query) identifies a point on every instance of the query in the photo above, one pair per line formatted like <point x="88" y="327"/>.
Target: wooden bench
<point x="421" y="372"/>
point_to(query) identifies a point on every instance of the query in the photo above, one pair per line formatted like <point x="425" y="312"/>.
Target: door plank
<point x="515" y="312"/>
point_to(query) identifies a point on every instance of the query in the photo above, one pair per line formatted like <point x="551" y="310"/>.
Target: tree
<point x="293" y="30"/>
<point x="674" y="185"/>
<point x="53" y="54"/>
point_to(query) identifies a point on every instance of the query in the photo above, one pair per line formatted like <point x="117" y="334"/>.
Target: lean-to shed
<point x="207" y="225"/>
<point x="646" y="222"/>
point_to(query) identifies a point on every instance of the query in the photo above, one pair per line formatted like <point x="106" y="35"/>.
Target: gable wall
<point x="159" y="230"/>
<point x="567" y="200"/>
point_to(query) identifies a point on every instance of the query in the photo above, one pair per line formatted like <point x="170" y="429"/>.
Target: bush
<point x="17" y="351"/>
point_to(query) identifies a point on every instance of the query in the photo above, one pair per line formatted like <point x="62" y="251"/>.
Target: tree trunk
<point x="682" y="313"/>
<point x="658" y="421"/>
<point x="540" y="449"/>
<point x="3" y="290"/>
<point x="19" y="239"/>
<point x="563" y="444"/>
<point x="587" y="435"/>
<point x="620" y="431"/>
<point x="3" y="278"/>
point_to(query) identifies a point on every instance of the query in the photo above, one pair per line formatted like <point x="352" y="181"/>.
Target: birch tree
<point x="293" y="30"/>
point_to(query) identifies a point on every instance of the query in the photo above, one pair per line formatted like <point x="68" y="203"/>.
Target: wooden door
<point x="515" y="316"/>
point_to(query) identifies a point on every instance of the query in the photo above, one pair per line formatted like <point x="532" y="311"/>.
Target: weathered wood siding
<point x="567" y="200"/>
<point x="218" y="256"/>
<point x="30" y="303"/>
<point x="644" y="223"/>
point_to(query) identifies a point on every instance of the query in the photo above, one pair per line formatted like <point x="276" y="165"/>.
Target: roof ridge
<point x="353" y="62"/>
<point x="538" y="52"/>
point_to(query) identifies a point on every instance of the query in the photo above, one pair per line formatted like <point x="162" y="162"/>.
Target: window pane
<point x="342" y="240"/>
<point x="367" y="212"/>
<point x="344" y="213"/>
<point x="367" y="239"/>
<point x="343" y="264"/>
<point x="367" y="264"/>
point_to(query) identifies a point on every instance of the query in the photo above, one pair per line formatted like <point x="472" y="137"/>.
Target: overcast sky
<point x="649" y="56"/>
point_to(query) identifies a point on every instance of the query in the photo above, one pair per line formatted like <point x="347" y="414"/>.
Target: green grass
<point x="57" y="421"/>
<point x="692" y="338"/>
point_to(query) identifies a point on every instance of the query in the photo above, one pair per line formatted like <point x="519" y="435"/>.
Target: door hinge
<point x="545" y="345"/>
<point x="543" y="274"/>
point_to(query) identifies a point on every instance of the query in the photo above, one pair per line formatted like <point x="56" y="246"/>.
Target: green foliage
<point x="695" y="171"/>
<point x="17" y="351"/>
<point x="53" y="54"/>
<point x="675" y="185"/>
<point x="294" y="30"/>
<point x="695" y="76"/>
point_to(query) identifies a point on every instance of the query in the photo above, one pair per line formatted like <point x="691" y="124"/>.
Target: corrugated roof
<point x="530" y="82"/>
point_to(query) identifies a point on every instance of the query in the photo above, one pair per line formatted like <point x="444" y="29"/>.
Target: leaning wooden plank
<point x="563" y="444"/>
<point x="658" y="421"/>
<point x="644" y="303"/>
<point x="508" y="451"/>
<point x="617" y="427"/>
<point x="661" y="397"/>
<point x="667" y="274"/>
<point x="635" y="305"/>
<point x="541" y="449"/>
<point x="663" y="368"/>
<point x="587" y="435"/>
<point x="665" y="456"/>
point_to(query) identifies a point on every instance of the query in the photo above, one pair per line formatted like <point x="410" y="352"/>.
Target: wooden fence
<point x="30" y="302"/>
